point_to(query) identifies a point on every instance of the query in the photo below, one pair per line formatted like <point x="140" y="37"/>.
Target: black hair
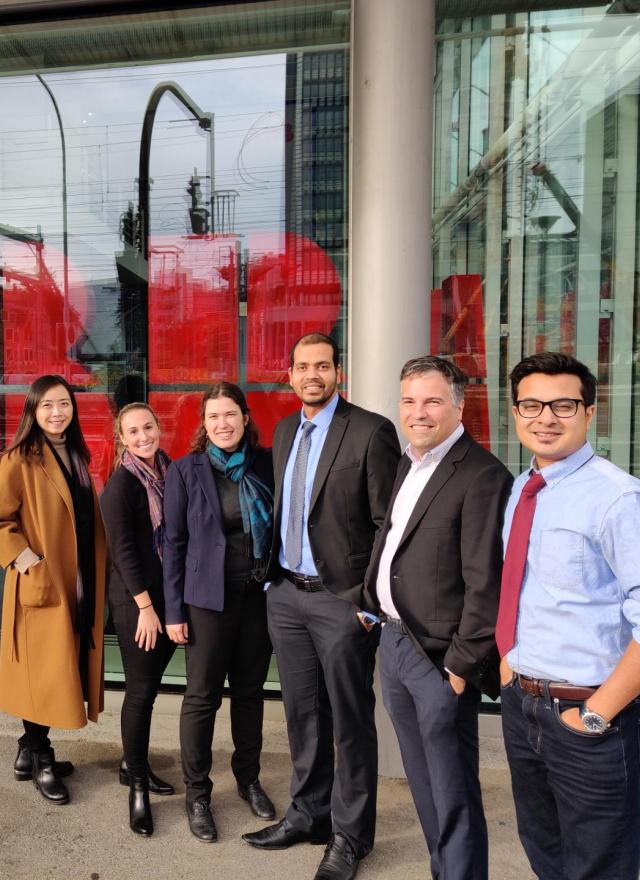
<point x="29" y="437"/>
<point x="316" y="339"/>
<point x="555" y="363"/>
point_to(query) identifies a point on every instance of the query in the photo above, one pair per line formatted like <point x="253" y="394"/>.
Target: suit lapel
<point x="330" y="448"/>
<point x="281" y="456"/>
<point x="206" y="479"/>
<point x="404" y="465"/>
<point x="403" y="469"/>
<point x="51" y="468"/>
<point x="442" y="474"/>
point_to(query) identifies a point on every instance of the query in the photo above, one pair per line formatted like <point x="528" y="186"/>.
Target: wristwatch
<point x="593" y="722"/>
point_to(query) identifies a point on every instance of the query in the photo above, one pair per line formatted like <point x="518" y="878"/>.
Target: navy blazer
<point x="194" y="543"/>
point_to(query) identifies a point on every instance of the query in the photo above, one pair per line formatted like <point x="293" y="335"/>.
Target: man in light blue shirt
<point x="569" y="635"/>
<point x="334" y="466"/>
<point x="322" y="421"/>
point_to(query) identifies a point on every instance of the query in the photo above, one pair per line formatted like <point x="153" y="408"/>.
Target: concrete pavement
<point x="89" y="839"/>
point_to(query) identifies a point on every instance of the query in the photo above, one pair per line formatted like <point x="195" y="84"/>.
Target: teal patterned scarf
<point x="256" y="499"/>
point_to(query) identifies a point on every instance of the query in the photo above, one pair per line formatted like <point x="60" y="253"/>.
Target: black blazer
<point x="350" y="494"/>
<point x="195" y="543"/>
<point x="134" y="564"/>
<point x="445" y="575"/>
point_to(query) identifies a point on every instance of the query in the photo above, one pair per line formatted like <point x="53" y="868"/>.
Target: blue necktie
<point x="293" y="543"/>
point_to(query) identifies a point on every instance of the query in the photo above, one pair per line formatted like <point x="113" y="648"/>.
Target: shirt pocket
<point x="560" y="557"/>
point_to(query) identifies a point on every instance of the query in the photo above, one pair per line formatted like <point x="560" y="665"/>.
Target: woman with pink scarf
<point x="132" y="507"/>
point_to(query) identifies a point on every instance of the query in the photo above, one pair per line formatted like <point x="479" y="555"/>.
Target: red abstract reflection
<point x="457" y="330"/>
<point x="193" y="309"/>
<point x="200" y="288"/>
<point x="41" y="326"/>
<point x="293" y="288"/>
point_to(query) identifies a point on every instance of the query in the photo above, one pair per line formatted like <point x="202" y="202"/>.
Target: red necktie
<point x="515" y="561"/>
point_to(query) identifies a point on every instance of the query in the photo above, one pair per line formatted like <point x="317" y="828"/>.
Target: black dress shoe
<point x="156" y="785"/>
<point x="282" y="835"/>
<point x="201" y="821"/>
<point x="140" y="818"/>
<point x="46" y="779"/>
<point x="339" y="861"/>
<point x="260" y="803"/>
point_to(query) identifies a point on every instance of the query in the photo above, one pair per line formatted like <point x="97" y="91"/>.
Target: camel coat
<point x="39" y="674"/>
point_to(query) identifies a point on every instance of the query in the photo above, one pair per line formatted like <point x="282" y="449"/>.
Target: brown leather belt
<point x="305" y="582"/>
<point x="538" y="687"/>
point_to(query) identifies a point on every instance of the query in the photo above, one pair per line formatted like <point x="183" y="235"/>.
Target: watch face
<point x="594" y="723"/>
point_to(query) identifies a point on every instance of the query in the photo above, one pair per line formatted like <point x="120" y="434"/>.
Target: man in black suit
<point x="435" y="579"/>
<point x="334" y="468"/>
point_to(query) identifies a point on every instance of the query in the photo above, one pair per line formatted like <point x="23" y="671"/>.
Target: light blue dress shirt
<point x="321" y="420"/>
<point x="580" y="601"/>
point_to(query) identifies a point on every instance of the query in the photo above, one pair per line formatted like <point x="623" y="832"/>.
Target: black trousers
<point x="438" y="736"/>
<point x="232" y="644"/>
<point x="326" y="661"/>
<point x="143" y="671"/>
<point x="35" y="736"/>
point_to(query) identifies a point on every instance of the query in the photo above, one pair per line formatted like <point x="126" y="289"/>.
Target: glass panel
<point x="535" y="246"/>
<point x="171" y="216"/>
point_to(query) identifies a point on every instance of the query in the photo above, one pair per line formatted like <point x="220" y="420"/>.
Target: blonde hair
<point x="117" y="428"/>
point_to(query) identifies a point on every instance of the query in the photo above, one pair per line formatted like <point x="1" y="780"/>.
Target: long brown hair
<point x="117" y="427"/>
<point x="234" y="393"/>
<point x="29" y="437"/>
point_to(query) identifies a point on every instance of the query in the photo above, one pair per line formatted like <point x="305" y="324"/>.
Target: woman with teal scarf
<point x="219" y="522"/>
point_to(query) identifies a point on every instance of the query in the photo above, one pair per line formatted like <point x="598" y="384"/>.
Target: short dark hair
<point x="456" y="378"/>
<point x="29" y="437"/>
<point x="234" y="393"/>
<point x="555" y="363"/>
<point x="315" y="339"/>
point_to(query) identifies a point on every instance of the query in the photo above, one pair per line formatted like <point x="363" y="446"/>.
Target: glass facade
<point x="173" y="207"/>
<point x="174" y="193"/>
<point x="535" y="208"/>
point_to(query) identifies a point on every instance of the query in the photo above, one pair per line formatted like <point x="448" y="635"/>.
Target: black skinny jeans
<point x="233" y="643"/>
<point x="143" y="671"/>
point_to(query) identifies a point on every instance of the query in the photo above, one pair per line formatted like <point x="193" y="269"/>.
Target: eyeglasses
<point x="563" y="407"/>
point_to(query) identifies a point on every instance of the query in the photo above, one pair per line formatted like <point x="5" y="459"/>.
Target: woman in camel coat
<point x="52" y="544"/>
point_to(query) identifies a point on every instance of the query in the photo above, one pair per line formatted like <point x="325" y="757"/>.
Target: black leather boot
<point x="156" y="785"/>
<point x="46" y="779"/>
<point x="140" y="818"/>
<point x="23" y="765"/>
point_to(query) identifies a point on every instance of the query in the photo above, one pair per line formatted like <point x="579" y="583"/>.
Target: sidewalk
<point x="90" y="838"/>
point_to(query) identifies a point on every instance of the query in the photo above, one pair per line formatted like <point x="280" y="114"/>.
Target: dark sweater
<point x="134" y="565"/>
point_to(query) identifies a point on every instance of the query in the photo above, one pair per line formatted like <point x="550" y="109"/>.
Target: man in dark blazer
<point x="435" y="579"/>
<point x="334" y="468"/>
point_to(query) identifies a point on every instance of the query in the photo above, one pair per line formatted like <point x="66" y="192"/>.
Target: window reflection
<point x="540" y="110"/>
<point x="205" y="262"/>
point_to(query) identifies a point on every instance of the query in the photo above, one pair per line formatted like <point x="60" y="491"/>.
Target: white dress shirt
<point x="419" y="475"/>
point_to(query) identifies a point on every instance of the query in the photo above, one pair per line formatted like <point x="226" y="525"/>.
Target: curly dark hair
<point x="235" y="393"/>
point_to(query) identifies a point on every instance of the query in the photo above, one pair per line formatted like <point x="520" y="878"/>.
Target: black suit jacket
<point x="445" y="575"/>
<point x="134" y="564"/>
<point x="351" y="491"/>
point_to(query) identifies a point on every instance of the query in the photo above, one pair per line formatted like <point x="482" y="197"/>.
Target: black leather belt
<point x="305" y="582"/>
<point x="394" y="622"/>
